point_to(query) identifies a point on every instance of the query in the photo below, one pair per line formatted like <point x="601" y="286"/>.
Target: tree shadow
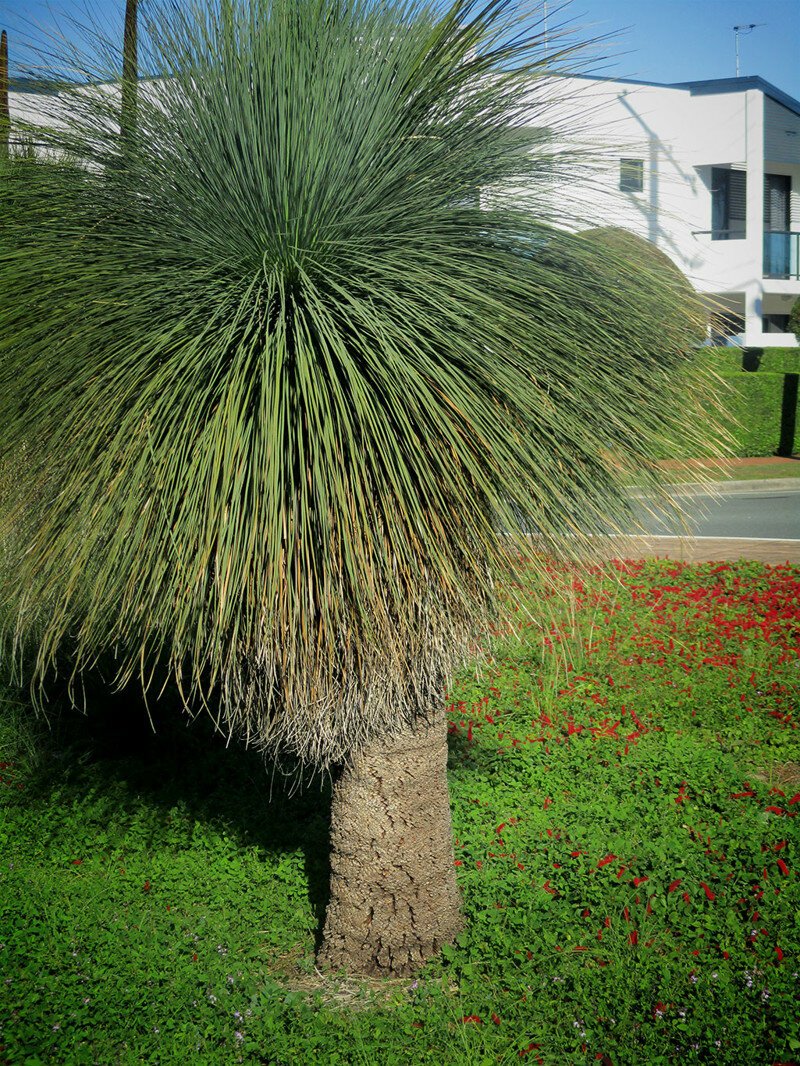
<point x="171" y="760"/>
<point x="788" y="415"/>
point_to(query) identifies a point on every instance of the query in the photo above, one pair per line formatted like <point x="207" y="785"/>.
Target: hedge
<point x="759" y="360"/>
<point x="755" y="402"/>
<point x="755" y="380"/>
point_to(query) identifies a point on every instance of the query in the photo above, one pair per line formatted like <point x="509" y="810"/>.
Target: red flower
<point x="633" y="938"/>
<point x="639" y="880"/>
<point x="674" y="885"/>
<point x="472" y="1018"/>
<point x="784" y="869"/>
<point x="606" y="861"/>
<point x="779" y="953"/>
<point x="528" y="1050"/>
<point x="146" y="887"/>
<point x="495" y="1018"/>
<point x="707" y="890"/>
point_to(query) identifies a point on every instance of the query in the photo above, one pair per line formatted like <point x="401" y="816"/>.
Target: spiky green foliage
<point x="289" y="390"/>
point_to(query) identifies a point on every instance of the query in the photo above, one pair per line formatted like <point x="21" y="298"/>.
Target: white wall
<point x="680" y="137"/>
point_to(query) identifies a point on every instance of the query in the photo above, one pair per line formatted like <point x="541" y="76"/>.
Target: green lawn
<point x="748" y="470"/>
<point x="693" y="470"/>
<point x="625" y="783"/>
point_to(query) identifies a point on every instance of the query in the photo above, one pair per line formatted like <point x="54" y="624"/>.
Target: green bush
<point x="762" y="360"/>
<point x="755" y="403"/>
<point x="794" y="319"/>
<point x="751" y="397"/>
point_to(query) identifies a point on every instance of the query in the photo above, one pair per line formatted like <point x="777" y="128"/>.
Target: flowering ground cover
<point x="626" y="783"/>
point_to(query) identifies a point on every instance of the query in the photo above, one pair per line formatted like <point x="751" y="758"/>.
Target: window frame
<point x="631" y="175"/>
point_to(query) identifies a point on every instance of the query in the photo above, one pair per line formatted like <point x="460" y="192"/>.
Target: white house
<point x="709" y="171"/>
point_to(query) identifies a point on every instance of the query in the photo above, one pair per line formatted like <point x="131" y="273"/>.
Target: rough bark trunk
<point x="394" y="900"/>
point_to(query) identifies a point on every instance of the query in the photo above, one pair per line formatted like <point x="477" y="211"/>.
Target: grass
<point x="735" y="469"/>
<point x="625" y="788"/>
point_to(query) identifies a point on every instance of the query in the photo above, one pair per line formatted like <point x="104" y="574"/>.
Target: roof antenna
<point x="743" y="30"/>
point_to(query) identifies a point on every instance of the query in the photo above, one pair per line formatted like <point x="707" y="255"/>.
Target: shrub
<point x="756" y="402"/>
<point x="749" y="360"/>
<point x="794" y="319"/>
<point x="752" y="387"/>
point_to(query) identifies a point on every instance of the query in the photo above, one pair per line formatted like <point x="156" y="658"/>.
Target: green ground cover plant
<point x="625" y="784"/>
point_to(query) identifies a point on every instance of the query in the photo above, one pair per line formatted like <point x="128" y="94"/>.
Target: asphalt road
<point x="756" y="511"/>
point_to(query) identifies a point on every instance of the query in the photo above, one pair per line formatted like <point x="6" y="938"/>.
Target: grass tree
<point x="290" y="395"/>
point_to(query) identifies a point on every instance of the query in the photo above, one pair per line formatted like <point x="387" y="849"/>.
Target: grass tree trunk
<point x="394" y="900"/>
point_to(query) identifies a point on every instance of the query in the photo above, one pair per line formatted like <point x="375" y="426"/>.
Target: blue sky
<point x="689" y="40"/>
<point x="655" y="40"/>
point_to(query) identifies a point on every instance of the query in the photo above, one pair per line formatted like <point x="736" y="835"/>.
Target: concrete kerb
<point x="696" y="549"/>
<point x="725" y="488"/>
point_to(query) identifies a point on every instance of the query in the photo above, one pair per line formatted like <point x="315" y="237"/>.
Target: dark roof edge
<point x="709" y="87"/>
<point x="737" y="85"/>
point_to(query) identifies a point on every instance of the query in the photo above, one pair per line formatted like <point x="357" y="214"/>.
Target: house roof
<point x="711" y="86"/>
<point x="738" y="85"/>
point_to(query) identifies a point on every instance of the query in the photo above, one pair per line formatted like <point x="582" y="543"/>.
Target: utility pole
<point x="5" y="114"/>
<point x="743" y="30"/>
<point x="545" y="30"/>
<point x="130" y="72"/>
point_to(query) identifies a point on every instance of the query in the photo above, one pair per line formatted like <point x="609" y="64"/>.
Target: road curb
<point x="723" y="488"/>
<point x="695" y="549"/>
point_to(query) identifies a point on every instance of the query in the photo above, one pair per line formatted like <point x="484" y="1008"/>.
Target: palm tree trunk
<point x="394" y="900"/>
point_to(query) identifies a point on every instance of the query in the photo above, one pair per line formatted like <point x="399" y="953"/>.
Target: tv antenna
<point x="743" y="30"/>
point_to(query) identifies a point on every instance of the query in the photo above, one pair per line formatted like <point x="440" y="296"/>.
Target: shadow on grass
<point x="174" y="761"/>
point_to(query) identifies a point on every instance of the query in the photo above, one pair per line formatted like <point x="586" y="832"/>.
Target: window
<point x="775" y="324"/>
<point x="728" y="204"/>
<point x="631" y="175"/>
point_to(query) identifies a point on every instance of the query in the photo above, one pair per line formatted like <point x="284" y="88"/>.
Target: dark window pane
<point x="631" y="175"/>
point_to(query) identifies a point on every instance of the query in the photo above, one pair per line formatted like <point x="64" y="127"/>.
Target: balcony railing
<point x="782" y="255"/>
